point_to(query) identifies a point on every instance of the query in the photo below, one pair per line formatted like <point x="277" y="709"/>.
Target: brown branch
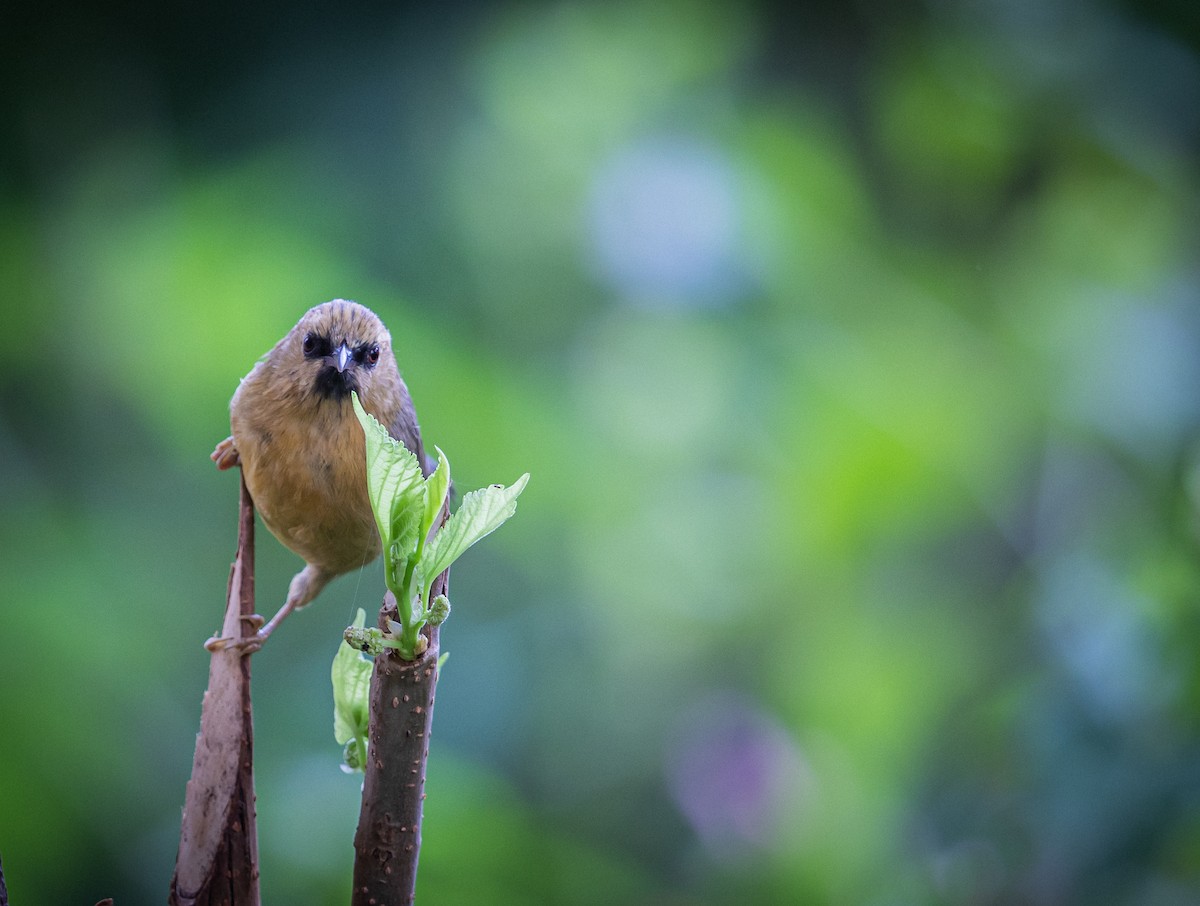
<point x="388" y="841"/>
<point x="218" y="843"/>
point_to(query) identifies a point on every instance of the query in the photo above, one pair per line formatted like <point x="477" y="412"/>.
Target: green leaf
<point x="396" y="488"/>
<point x="351" y="675"/>
<point x="354" y="759"/>
<point x="439" y="610"/>
<point x="437" y="486"/>
<point x="481" y="513"/>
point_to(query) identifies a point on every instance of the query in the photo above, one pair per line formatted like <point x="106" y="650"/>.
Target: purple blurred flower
<point x="735" y="773"/>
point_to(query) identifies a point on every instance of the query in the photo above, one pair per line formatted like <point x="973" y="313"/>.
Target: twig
<point x="388" y="841"/>
<point x="218" y="843"/>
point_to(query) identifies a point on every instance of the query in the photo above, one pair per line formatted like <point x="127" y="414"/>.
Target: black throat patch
<point x="332" y="384"/>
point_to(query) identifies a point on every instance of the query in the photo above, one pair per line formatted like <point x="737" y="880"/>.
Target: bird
<point x="301" y="448"/>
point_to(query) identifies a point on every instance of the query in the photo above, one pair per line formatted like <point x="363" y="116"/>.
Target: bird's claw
<point x="246" y="644"/>
<point x="226" y="455"/>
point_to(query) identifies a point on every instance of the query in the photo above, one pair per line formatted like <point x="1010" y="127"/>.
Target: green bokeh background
<point x="855" y="355"/>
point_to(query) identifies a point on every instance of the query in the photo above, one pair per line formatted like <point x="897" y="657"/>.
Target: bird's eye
<point x="372" y="356"/>
<point x="314" y="346"/>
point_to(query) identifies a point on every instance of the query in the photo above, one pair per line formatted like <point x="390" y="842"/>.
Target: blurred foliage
<point x="855" y="354"/>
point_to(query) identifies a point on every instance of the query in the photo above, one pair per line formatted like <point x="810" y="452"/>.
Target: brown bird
<point x="301" y="448"/>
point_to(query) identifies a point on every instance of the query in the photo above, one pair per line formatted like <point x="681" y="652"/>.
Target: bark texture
<point x="388" y="841"/>
<point x="218" y="844"/>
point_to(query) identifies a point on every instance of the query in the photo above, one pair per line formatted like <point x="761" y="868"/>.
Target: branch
<point x="218" y="844"/>
<point x="388" y="841"/>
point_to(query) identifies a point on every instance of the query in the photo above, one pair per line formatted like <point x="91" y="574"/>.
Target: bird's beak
<point x="341" y="358"/>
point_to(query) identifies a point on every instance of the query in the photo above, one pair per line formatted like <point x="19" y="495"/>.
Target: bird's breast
<point x="307" y="478"/>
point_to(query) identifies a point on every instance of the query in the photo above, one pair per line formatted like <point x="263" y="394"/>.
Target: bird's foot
<point x="226" y="455"/>
<point x="304" y="587"/>
<point x="246" y="644"/>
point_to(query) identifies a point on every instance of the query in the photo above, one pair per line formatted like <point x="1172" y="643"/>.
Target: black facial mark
<point x="367" y="355"/>
<point x="333" y="384"/>
<point x="315" y="346"/>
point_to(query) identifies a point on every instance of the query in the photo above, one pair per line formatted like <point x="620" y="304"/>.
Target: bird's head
<point x="338" y="347"/>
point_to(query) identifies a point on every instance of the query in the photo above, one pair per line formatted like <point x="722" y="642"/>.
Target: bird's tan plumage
<point x="300" y="445"/>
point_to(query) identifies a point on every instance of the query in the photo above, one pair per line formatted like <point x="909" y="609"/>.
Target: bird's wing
<point x="406" y="430"/>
